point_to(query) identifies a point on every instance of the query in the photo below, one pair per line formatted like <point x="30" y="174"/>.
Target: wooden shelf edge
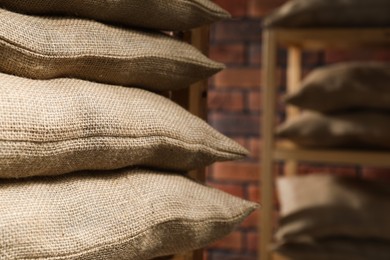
<point x="368" y="158"/>
<point x="320" y="38"/>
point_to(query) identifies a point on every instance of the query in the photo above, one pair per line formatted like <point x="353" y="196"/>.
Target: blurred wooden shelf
<point x="285" y="150"/>
<point x="295" y="41"/>
<point x="321" y="38"/>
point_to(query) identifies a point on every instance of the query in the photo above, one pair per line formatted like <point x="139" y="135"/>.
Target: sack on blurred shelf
<point x="323" y="206"/>
<point x="331" y="13"/>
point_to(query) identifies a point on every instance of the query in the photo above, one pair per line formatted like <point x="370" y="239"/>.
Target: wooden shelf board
<point x="329" y="37"/>
<point x="276" y="256"/>
<point x="286" y="151"/>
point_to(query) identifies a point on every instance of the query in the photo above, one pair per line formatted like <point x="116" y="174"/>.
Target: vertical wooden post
<point x="198" y="91"/>
<point x="194" y="99"/>
<point x="294" y="75"/>
<point x="269" y="90"/>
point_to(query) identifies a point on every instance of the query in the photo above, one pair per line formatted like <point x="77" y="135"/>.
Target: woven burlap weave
<point x="345" y="86"/>
<point x="46" y="47"/>
<point x="157" y="14"/>
<point x="63" y="125"/>
<point x="331" y="13"/>
<point x="128" y="214"/>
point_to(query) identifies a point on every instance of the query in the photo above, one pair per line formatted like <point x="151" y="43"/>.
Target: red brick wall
<point x="234" y="105"/>
<point x="235" y="110"/>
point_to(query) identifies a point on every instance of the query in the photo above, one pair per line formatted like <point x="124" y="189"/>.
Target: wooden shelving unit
<point x="295" y="41"/>
<point x="194" y="99"/>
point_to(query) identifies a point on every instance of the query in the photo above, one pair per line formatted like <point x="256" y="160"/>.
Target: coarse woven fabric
<point x="350" y="129"/>
<point x="50" y="127"/>
<point x="49" y="47"/>
<point x="349" y="85"/>
<point x="331" y="13"/>
<point x="127" y="214"/>
<point x="320" y="206"/>
<point x="155" y="14"/>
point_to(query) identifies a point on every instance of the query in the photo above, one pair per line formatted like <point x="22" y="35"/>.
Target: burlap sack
<point x="50" y="127"/>
<point x="345" y="86"/>
<point x="358" y="129"/>
<point x="336" y="249"/>
<point x="331" y="13"/>
<point x="320" y="206"/>
<point x="46" y="47"/>
<point x="128" y="214"/>
<point x="156" y="14"/>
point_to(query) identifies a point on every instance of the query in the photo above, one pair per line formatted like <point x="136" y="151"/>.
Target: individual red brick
<point x="228" y="53"/>
<point x="335" y="56"/>
<point x="235" y="124"/>
<point x="255" y="53"/>
<point x="257" y="8"/>
<point x="236" y="171"/>
<point x="234" y="241"/>
<point x="236" y="8"/>
<point x="255" y="101"/>
<point x="254" y="193"/>
<point x="382" y="55"/>
<point x="254" y="147"/>
<point x="238" y="78"/>
<point x="252" y="241"/>
<point x="378" y="174"/>
<point x="226" y="101"/>
<point x="233" y="189"/>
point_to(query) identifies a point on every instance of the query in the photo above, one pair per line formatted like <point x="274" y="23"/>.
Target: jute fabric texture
<point x="345" y="86"/>
<point x="127" y="214"/>
<point x="323" y="206"/>
<point x="49" y="47"/>
<point x="331" y="13"/>
<point x="156" y="14"/>
<point x="358" y="129"/>
<point x="50" y="127"/>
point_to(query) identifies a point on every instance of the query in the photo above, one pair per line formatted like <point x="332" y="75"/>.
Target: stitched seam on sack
<point x="128" y="239"/>
<point x="205" y="147"/>
<point x="36" y="53"/>
<point x="204" y="7"/>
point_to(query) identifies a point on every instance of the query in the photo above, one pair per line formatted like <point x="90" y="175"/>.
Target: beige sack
<point x="345" y="86"/>
<point x="321" y="206"/>
<point x="63" y="125"/>
<point x="336" y="249"/>
<point x="358" y="129"/>
<point x="127" y="214"/>
<point x="158" y="14"/>
<point x="47" y="47"/>
<point x="331" y="13"/>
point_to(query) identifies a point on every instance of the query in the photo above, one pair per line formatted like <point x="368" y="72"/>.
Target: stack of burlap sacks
<point x="93" y="162"/>
<point x="337" y="218"/>
<point x="344" y="105"/>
